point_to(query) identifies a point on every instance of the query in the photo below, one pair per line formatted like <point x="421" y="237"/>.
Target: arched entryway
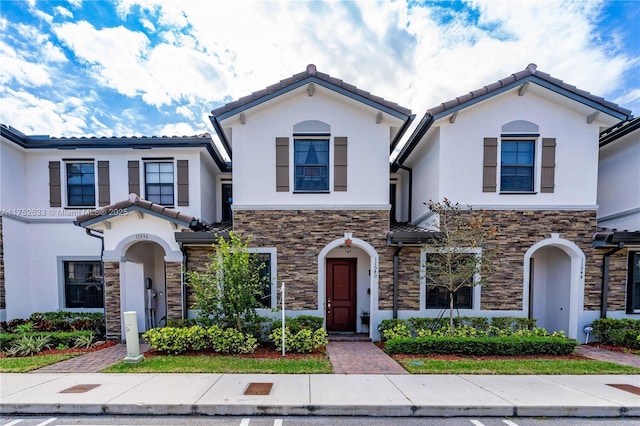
<point x="348" y="273"/>
<point x="143" y="285"/>
<point x="554" y="284"/>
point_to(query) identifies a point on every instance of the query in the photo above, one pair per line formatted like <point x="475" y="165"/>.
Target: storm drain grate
<point x="628" y="388"/>
<point x="79" y="389"/>
<point x="258" y="389"/>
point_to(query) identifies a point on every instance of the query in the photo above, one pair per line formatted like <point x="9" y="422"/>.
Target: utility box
<point x="131" y="335"/>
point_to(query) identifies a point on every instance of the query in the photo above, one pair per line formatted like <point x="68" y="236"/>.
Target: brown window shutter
<point x="55" y="195"/>
<point x="340" y="164"/>
<point x="282" y="164"/>
<point x="104" y="196"/>
<point x="183" y="182"/>
<point x="490" y="165"/>
<point x="134" y="177"/>
<point x="547" y="174"/>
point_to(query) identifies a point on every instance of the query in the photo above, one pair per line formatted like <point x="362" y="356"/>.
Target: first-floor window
<point x="450" y="277"/>
<point x="264" y="260"/>
<point x="438" y="298"/>
<point x="83" y="284"/>
<point x="633" y="283"/>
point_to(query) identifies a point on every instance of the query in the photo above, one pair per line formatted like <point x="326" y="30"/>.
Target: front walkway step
<point x="361" y="358"/>
<point x="348" y="337"/>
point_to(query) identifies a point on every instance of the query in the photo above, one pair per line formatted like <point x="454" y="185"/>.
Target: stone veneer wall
<point x="300" y="235"/>
<point x="518" y="230"/>
<point x="173" y="280"/>
<point x="197" y="259"/>
<point x="617" y="289"/>
<point x="112" y="309"/>
<point x="3" y="300"/>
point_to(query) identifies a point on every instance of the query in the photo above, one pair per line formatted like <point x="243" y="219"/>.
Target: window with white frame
<point x="159" y="182"/>
<point x="266" y="258"/>
<point x="633" y="283"/>
<point x="83" y="284"/>
<point x="436" y="296"/>
<point x="81" y="184"/>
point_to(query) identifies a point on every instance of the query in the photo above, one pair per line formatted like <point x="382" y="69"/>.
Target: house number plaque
<point x="142" y="236"/>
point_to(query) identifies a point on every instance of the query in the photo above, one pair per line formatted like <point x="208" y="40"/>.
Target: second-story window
<point x="516" y="165"/>
<point x="159" y="186"/>
<point x="81" y="184"/>
<point x="311" y="158"/>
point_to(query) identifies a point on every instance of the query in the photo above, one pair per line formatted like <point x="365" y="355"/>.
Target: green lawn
<point x="25" y="364"/>
<point x="224" y="364"/>
<point x="423" y="365"/>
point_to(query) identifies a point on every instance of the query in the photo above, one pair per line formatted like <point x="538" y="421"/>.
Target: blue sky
<point x="152" y="67"/>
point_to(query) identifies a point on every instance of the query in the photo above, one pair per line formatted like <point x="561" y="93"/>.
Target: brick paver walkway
<point x="361" y="358"/>
<point x="606" y="355"/>
<point x="92" y="362"/>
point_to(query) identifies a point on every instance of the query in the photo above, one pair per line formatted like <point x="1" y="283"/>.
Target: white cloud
<point x="63" y="12"/>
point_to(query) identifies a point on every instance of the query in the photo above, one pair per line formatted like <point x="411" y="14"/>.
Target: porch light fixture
<point x="347" y="242"/>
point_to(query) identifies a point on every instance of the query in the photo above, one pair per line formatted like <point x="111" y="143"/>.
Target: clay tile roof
<point x="621" y="129"/>
<point x="529" y="72"/>
<point x="312" y="75"/>
<point x="134" y="202"/>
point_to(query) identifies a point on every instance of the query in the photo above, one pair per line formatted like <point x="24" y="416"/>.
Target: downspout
<point x="104" y="293"/>
<point x="396" y="274"/>
<point x="410" y="170"/>
<point x="605" y="279"/>
<point x="183" y="285"/>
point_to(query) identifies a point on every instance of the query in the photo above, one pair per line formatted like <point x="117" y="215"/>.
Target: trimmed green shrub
<point x="477" y="346"/>
<point x="176" y="340"/>
<point x="617" y="332"/>
<point x="304" y="341"/>
<point x="298" y="323"/>
<point x="464" y="326"/>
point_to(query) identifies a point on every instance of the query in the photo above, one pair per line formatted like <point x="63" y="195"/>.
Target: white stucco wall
<point x="576" y="152"/>
<point x="254" y="154"/>
<point x="460" y="154"/>
<point x="35" y="175"/>
<point x="12" y="171"/>
<point x="31" y="254"/>
<point x="619" y="184"/>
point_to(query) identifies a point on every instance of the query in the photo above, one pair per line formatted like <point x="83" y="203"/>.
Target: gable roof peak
<point x="532" y="68"/>
<point x="311" y="69"/>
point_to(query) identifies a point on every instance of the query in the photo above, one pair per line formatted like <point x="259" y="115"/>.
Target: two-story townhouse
<point x="129" y="196"/>
<point x="311" y="188"/>
<point x="618" y="236"/>
<point x="525" y="151"/>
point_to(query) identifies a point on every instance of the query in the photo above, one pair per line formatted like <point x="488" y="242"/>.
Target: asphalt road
<point x="304" y="421"/>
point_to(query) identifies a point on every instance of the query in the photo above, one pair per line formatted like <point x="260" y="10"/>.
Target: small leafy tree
<point x="227" y="292"/>
<point x="461" y="256"/>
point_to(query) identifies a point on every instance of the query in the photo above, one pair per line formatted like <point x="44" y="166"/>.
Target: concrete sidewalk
<point x="322" y="394"/>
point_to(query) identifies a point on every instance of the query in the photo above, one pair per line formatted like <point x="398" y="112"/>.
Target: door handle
<point x="328" y="306"/>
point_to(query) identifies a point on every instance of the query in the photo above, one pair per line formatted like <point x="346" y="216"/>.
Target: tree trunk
<point x="451" y="313"/>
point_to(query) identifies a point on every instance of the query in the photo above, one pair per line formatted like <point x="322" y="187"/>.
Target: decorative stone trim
<point x="112" y="310"/>
<point x="173" y="280"/>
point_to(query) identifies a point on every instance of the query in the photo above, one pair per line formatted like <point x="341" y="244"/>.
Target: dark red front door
<point x="341" y="295"/>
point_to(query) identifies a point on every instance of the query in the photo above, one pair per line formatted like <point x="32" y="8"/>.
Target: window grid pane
<point x="516" y="165"/>
<point x="80" y="184"/>
<point x="159" y="183"/>
<point x="311" y="159"/>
